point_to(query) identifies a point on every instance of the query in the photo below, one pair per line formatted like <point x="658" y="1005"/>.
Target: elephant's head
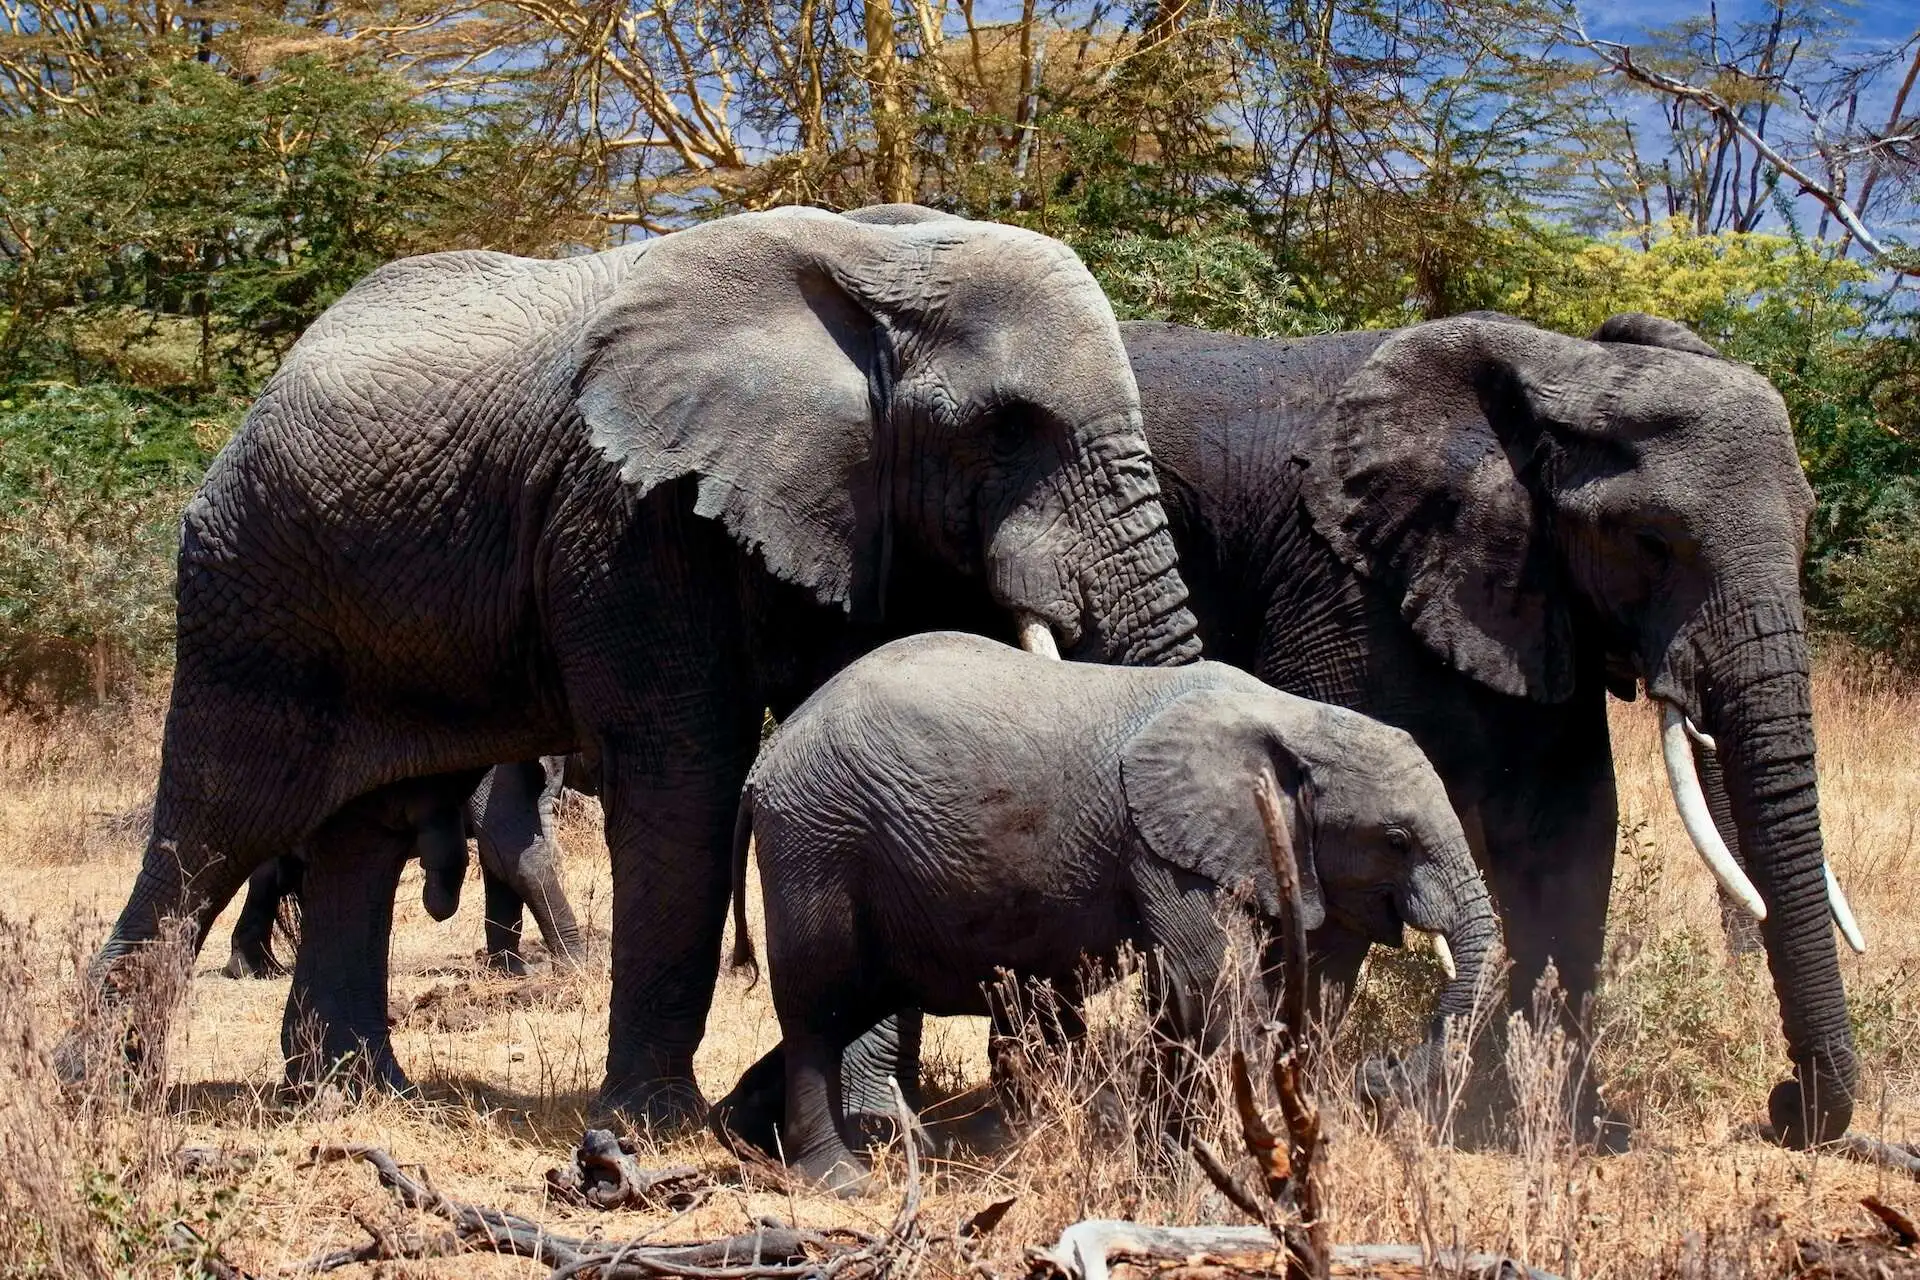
<point x="1632" y="508"/>
<point x="852" y="392"/>
<point x="1372" y="833"/>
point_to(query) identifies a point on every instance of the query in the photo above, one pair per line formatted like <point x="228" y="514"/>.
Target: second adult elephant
<point x="1477" y="529"/>
<point x="492" y="508"/>
<point x="510" y="816"/>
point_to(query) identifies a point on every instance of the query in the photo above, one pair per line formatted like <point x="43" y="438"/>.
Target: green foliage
<point x="1215" y="281"/>
<point x="188" y="223"/>
<point x="92" y="480"/>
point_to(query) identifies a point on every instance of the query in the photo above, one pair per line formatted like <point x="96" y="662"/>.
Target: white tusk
<point x="1843" y="915"/>
<point x="1036" y="637"/>
<point x="1694" y="816"/>
<point x="1704" y="740"/>
<point x="1444" y="954"/>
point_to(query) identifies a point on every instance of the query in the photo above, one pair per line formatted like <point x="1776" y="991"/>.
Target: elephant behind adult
<point x="1476" y="529"/>
<point x="492" y="508"/>
<point x="510" y="816"/>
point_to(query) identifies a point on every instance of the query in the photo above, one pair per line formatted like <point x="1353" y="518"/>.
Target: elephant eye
<point x="1398" y="839"/>
<point x="1010" y="429"/>
<point x="1654" y="547"/>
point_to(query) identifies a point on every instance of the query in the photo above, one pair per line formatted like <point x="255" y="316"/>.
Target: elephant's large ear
<point x="1189" y="775"/>
<point x="1643" y="330"/>
<point x="753" y="353"/>
<point x="1432" y="477"/>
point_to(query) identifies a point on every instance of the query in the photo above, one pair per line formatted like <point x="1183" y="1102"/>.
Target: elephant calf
<point x="510" y="815"/>
<point x="947" y="807"/>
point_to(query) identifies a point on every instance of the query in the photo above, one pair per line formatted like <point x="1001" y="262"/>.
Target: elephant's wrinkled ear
<point x="1189" y="776"/>
<point x="1431" y="478"/>
<point x="737" y="352"/>
<point x="1643" y="330"/>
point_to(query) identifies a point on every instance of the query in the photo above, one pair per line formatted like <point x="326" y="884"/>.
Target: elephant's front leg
<point x="670" y="801"/>
<point x="1549" y="825"/>
<point x="337" y="1008"/>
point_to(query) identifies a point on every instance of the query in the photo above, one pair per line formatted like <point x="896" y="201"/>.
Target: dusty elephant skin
<point x="510" y="816"/>
<point x="948" y="807"/>
<point x="493" y="508"/>
<point x="1475" y="529"/>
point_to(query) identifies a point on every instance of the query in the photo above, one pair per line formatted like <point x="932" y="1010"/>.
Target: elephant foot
<point x="663" y="1107"/>
<point x="747" y="1119"/>
<point x="1798" y="1126"/>
<point x="356" y="1065"/>
<point x="508" y="963"/>
<point x="251" y="962"/>
<point x="837" y="1172"/>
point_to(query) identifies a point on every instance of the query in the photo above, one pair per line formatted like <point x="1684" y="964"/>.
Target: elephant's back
<point x="1209" y="398"/>
<point x="377" y="493"/>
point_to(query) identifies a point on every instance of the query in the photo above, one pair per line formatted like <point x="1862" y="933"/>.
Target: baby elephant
<point x="948" y="806"/>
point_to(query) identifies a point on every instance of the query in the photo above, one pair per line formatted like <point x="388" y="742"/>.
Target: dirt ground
<point x="1688" y="1042"/>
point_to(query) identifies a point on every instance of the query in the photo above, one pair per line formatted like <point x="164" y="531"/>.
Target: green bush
<point x="92" y="480"/>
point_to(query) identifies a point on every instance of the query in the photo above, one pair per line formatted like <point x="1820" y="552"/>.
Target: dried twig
<point x="606" y="1174"/>
<point x="771" y="1251"/>
<point x="1310" y="1244"/>
<point x="191" y="1247"/>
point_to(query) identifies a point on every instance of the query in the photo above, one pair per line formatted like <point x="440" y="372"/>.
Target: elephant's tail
<point x="743" y="957"/>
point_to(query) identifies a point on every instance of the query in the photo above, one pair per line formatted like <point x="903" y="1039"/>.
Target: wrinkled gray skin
<point x="510" y="817"/>
<point x="493" y="508"/>
<point x="1476" y="529"/>
<point x="948" y="807"/>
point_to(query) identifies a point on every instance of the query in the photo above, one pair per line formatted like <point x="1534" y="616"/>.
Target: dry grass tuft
<point x="1686" y="1043"/>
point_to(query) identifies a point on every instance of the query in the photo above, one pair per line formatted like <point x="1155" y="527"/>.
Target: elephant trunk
<point x="1133" y="604"/>
<point x="1460" y="910"/>
<point x="1752" y="677"/>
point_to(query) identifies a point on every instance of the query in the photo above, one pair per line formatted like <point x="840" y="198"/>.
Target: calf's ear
<point x="1189" y="775"/>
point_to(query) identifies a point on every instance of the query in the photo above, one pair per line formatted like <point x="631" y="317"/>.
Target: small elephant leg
<point x="814" y="1136"/>
<point x="504" y="918"/>
<point x="251" y="954"/>
<point x="337" y="1009"/>
<point x="753" y="1109"/>
<point x="888" y="1051"/>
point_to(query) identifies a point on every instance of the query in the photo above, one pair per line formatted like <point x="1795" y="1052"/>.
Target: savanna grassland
<point x="1688" y="1043"/>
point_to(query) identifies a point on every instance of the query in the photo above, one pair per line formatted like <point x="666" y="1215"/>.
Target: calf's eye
<point x="1398" y="839"/>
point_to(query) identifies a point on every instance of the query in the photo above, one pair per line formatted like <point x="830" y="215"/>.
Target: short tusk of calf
<point x="1701" y="740"/>
<point x="1843" y="915"/>
<point x="1687" y="798"/>
<point x="1444" y="954"/>
<point x="1036" y="637"/>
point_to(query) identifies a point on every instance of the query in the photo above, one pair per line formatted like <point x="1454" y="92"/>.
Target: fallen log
<point x="1101" y="1249"/>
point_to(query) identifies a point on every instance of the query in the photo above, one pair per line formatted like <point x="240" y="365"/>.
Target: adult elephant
<point x="492" y="508"/>
<point x="1475" y="529"/>
<point x="510" y="816"/>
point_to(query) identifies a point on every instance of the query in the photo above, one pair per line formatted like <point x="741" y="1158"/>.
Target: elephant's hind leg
<point x="336" y="1014"/>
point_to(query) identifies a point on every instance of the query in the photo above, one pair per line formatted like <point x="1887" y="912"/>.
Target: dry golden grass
<point x="1688" y="1046"/>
